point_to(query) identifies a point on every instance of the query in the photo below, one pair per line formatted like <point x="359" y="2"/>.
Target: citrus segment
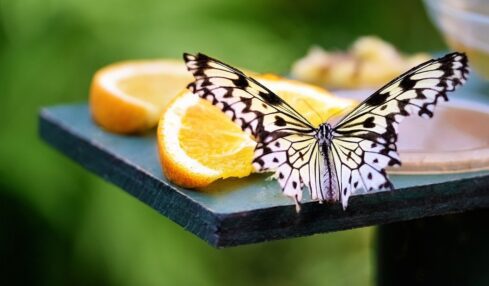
<point x="198" y="144"/>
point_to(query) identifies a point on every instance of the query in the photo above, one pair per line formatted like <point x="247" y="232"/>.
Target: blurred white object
<point x="465" y="27"/>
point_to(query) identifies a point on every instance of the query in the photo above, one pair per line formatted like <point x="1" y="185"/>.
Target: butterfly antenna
<point x="339" y="111"/>
<point x="312" y="108"/>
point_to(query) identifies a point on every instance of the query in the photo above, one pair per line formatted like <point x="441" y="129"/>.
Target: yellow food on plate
<point x="369" y="63"/>
<point x="129" y="97"/>
<point x="199" y="144"/>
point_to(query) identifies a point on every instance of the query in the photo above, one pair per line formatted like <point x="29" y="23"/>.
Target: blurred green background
<point x="60" y="225"/>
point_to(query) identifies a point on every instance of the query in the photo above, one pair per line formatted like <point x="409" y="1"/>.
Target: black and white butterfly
<point x="337" y="161"/>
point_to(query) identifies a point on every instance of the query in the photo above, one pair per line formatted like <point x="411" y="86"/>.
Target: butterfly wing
<point x="286" y="140"/>
<point x="252" y="106"/>
<point x="364" y="141"/>
<point x="297" y="161"/>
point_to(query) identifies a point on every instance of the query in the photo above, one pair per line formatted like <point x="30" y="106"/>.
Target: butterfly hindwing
<point x="364" y="141"/>
<point x="299" y="162"/>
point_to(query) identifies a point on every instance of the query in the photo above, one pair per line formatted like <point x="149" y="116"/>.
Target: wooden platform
<point x="235" y="212"/>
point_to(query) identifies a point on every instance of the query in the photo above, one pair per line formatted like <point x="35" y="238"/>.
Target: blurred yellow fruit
<point x="369" y="63"/>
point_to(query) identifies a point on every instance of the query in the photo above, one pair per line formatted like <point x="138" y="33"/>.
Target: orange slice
<point x="129" y="97"/>
<point x="198" y="144"/>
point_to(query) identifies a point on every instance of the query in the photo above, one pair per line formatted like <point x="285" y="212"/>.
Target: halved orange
<point x="198" y="144"/>
<point x="129" y="97"/>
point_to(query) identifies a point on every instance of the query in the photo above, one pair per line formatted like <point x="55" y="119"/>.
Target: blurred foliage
<point x="60" y="225"/>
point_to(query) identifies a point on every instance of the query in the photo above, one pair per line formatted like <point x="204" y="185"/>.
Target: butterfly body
<point x="324" y="135"/>
<point x="332" y="161"/>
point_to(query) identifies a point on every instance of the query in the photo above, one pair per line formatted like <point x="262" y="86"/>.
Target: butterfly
<point x="332" y="161"/>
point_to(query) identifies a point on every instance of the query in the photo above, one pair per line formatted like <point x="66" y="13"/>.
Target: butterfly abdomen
<point x="329" y="183"/>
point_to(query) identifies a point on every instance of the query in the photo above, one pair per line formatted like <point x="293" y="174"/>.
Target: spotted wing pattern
<point x="286" y="142"/>
<point x="364" y="141"/>
<point x="297" y="161"/>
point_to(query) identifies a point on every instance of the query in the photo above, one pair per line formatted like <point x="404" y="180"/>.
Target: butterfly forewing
<point x="255" y="108"/>
<point x="364" y="141"/>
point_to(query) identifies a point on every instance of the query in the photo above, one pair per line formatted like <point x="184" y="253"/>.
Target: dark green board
<point x="242" y="211"/>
